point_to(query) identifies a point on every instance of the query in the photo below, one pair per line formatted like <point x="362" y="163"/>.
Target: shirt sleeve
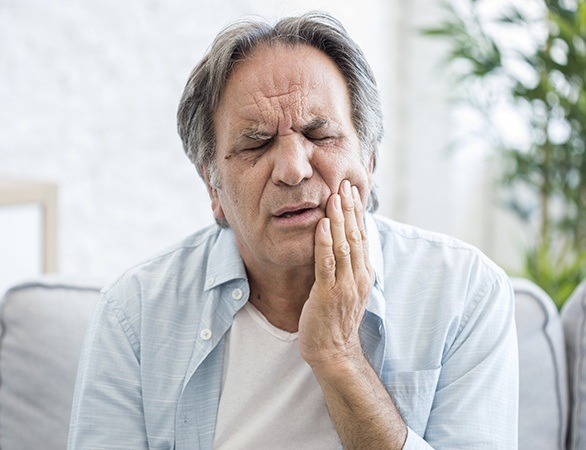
<point x="476" y="400"/>
<point x="107" y="406"/>
<point x="415" y="442"/>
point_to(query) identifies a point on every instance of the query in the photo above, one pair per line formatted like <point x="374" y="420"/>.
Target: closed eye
<point x="319" y="139"/>
<point x="260" y="146"/>
<point x="254" y="141"/>
<point x="318" y="131"/>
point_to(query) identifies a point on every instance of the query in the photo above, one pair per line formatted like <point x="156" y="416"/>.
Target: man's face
<point x="284" y="142"/>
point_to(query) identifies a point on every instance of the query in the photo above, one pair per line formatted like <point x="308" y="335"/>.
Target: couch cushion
<point x="543" y="386"/>
<point x="574" y="318"/>
<point x="42" y="324"/>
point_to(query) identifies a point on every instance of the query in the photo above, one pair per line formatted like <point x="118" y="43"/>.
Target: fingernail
<point x="346" y="188"/>
<point x="337" y="204"/>
<point x="325" y="224"/>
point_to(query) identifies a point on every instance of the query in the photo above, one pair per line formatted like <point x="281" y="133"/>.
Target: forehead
<point x="282" y="82"/>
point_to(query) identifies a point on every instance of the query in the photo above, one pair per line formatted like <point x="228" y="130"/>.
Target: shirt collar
<point x="375" y="252"/>
<point x="376" y="303"/>
<point x="224" y="262"/>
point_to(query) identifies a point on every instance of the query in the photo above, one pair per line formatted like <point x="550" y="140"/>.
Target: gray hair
<point x="234" y="43"/>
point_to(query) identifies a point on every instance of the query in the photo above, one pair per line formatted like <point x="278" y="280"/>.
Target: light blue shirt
<point x="439" y="331"/>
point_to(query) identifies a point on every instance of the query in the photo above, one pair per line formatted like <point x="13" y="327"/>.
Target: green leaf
<point x="550" y="170"/>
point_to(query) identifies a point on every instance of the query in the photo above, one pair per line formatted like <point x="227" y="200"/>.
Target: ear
<point x="370" y="171"/>
<point x="214" y="197"/>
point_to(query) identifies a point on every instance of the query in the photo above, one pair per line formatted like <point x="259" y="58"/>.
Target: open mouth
<point x="297" y="212"/>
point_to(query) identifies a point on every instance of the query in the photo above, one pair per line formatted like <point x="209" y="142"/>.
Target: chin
<point x="295" y="257"/>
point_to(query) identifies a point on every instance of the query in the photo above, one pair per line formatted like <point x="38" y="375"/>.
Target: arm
<point x="363" y="413"/>
<point x="476" y="399"/>
<point x="107" y="406"/>
<point x="475" y="403"/>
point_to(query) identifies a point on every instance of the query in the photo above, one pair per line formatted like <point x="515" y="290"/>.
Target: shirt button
<point x="210" y="281"/>
<point x="206" y="334"/>
<point x="237" y="294"/>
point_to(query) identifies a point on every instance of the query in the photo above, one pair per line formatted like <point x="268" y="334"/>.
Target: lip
<point x="298" y="215"/>
<point x="294" y="209"/>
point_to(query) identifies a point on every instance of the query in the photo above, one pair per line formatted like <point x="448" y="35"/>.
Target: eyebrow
<point x="315" y="124"/>
<point x="256" y="135"/>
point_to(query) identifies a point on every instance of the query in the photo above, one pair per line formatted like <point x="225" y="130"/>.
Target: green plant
<point x="532" y="63"/>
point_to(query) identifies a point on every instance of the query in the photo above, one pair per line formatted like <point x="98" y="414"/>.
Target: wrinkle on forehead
<point x="285" y="109"/>
<point x="280" y="88"/>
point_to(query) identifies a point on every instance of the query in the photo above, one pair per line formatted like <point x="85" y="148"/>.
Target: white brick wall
<point x="88" y="96"/>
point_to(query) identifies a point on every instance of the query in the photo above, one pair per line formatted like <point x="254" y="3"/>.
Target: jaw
<point x="281" y="250"/>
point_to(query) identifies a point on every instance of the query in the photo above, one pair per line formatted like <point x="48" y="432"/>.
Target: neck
<point x="280" y="294"/>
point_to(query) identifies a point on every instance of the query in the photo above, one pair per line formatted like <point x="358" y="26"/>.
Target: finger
<point x="353" y="220"/>
<point x="340" y="245"/>
<point x="325" y="261"/>
<point x="360" y="220"/>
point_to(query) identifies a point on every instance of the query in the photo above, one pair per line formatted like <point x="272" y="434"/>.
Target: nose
<point x="292" y="161"/>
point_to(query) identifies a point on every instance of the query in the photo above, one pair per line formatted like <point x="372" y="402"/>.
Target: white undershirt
<point x="270" y="398"/>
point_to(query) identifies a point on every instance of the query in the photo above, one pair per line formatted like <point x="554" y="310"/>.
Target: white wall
<point x="88" y="96"/>
<point x="435" y="186"/>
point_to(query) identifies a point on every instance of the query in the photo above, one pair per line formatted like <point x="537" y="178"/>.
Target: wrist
<point x="349" y="362"/>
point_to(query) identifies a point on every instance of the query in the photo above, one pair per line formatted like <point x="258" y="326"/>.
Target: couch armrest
<point x="574" y="319"/>
<point x="42" y="325"/>
<point x="543" y="386"/>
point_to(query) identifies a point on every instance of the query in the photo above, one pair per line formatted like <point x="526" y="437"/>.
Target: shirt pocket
<point x="413" y="394"/>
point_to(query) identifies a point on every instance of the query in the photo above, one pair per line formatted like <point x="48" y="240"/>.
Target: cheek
<point x="333" y="171"/>
<point x="239" y="198"/>
<point x="363" y="181"/>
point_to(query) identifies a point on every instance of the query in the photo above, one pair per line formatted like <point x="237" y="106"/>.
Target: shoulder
<point x="191" y="249"/>
<point x="435" y="268"/>
<point x="430" y="250"/>
<point x="166" y="293"/>
<point x="167" y="273"/>
<point x="410" y="236"/>
<point x="439" y="289"/>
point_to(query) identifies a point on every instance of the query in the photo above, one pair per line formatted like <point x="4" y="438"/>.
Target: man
<point x="301" y="321"/>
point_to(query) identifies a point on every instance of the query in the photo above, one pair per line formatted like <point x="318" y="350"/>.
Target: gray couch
<point x="42" y="324"/>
